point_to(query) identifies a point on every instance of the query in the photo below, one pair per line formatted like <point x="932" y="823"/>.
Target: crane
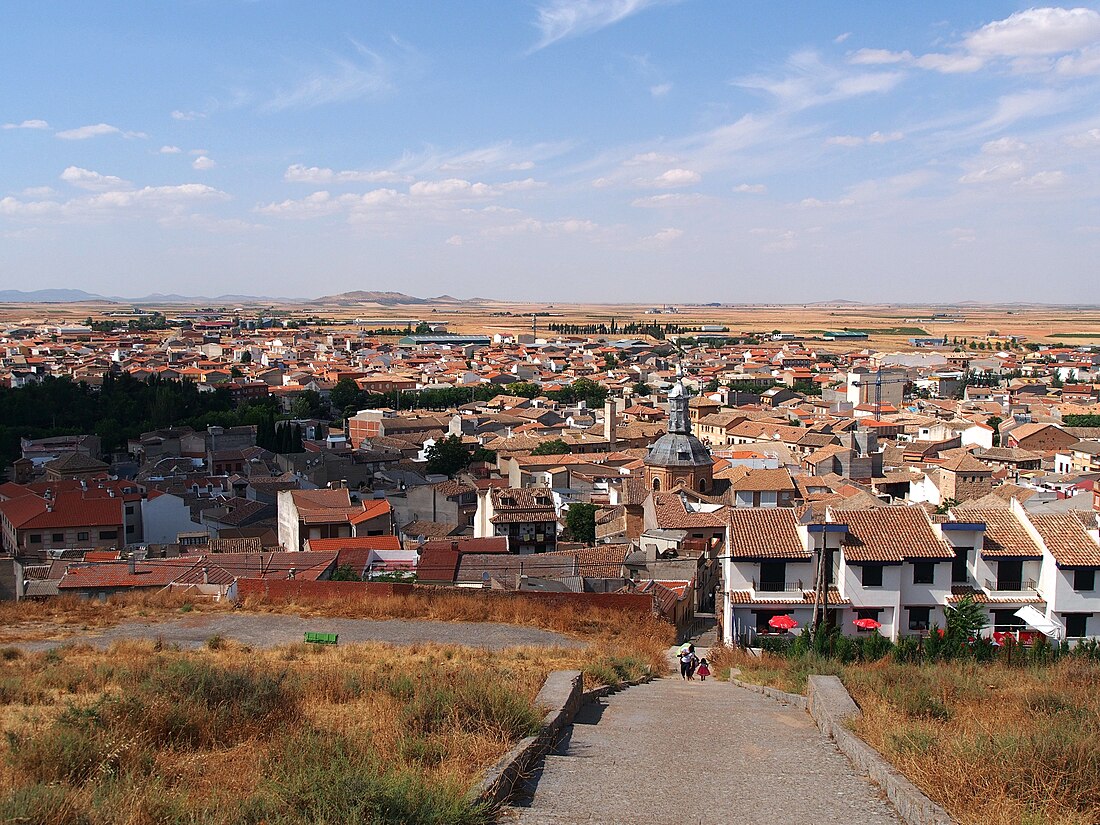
<point x="877" y="384"/>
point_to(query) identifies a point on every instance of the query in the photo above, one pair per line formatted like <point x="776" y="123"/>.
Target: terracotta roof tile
<point x="770" y="533"/>
<point x="891" y="534"/>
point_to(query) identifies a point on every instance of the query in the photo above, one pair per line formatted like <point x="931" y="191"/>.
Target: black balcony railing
<point x="1004" y="585"/>
<point x="775" y="586"/>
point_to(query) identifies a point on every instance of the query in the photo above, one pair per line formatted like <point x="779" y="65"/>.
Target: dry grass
<point x="994" y="744"/>
<point x="300" y="733"/>
<point x="139" y="735"/>
<point x="609" y="633"/>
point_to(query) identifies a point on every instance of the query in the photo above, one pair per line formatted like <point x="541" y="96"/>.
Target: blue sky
<point x="598" y="150"/>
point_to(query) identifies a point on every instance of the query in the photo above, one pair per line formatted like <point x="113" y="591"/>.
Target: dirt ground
<point x="271" y="630"/>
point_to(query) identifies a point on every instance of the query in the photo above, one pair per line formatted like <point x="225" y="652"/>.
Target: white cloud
<point x="560" y="19"/>
<point x="663" y="237"/>
<point x="670" y="199"/>
<point x="27" y="124"/>
<point x="874" y="138"/>
<point x="318" y="203"/>
<point x="455" y="240"/>
<point x="677" y="177"/>
<point x="660" y="90"/>
<point x="878" y="57"/>
<point x="170" y="150"/>
<point x="85" y="132"/>
<point x="450" y="188"/>
<point x="816" y="203"/>
<point x="202" y="163"/>
<point x="1004" y="146"/>
<point x="808" y="81"/>
<point x="845" y="140"/>
<point x="1085" y="140"/>
<point x="961" y="236"/>
<point x="950" y="63"/>
<point x="92" y="181"/>
<point x="297" y="173"/>
<point x="840" y="38"/>
<point x="177" y="114"/>
<point x="646" y="158"/>
<point x="1042" y="180"/>
<point x="157" y="199"/>
<point x="39" y="192"/>
<point x="602" y="183"/>
<point x="751" y="188"/>
<point x="995" y="173"/>
<point x="522" y="185"/>
<point x="342" y="81"/>
<point x="1042" y="31"/>
<point x="521" y="166"/>
<point x="567" y="226"/>
<point x="1086" y="62"/>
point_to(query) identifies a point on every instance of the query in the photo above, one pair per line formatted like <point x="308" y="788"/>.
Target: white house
<point x="901" y="567"/>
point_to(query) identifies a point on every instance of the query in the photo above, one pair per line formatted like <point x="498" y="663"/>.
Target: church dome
<point x="678" y="450"/>
<point x="678" y="447"/>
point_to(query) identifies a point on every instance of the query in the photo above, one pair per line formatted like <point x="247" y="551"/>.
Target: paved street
<point x="681" y="753"/>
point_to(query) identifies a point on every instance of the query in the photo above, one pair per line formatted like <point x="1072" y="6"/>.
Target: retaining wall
<point x="279" y="589"/>
<point x="832" y="707"/>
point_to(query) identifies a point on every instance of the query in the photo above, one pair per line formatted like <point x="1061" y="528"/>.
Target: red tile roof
<point x="770" y="533"/>
<point x="891" y="534"/>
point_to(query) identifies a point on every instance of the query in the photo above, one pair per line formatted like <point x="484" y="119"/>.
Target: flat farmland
<point x="889" y="327"/>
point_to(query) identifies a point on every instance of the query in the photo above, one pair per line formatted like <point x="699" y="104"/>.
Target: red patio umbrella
<point x="868" y="624"/>
<point x="782" y="622"/>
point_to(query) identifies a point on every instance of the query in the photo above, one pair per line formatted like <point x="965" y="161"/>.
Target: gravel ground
<point x="679" y="753"/>
<point x="270" y="630"/>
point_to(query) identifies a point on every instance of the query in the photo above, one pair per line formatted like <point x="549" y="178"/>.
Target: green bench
<point x="321" y="638"/>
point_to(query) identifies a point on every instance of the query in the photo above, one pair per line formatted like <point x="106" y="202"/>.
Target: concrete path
<point x="680" y="753"/>
<point x="271" y="629"/>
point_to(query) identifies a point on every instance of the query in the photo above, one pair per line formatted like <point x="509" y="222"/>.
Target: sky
<point x="553" y="150"/>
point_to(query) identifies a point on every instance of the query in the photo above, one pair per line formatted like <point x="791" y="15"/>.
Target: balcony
<point x="777" y="586"/>
<point x="1004" y="586"/>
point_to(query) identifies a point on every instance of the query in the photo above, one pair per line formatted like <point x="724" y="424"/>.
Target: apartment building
<point x="901" y="567"/>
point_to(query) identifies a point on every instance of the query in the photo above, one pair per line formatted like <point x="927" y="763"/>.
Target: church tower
<point x="678" y="457"/>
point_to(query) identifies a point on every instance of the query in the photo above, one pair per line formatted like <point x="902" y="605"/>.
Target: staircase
<point x="702" y="632"/>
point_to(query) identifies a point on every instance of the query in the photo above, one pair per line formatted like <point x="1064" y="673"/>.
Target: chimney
<point x="609" y="423"/>
<point x="206" y="575"/>
<point x="131" y="565"/>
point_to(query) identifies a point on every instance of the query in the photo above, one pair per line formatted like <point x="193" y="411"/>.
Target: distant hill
<point x="384" y="298"/>
<point x="173" y="298"/>
<point x="51" y="296"/>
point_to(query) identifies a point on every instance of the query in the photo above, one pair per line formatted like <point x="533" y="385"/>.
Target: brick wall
<point x="290" y="589"/>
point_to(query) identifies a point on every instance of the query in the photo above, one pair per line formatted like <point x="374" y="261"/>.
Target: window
<point x="81" y="536"/>
<point x="773" y="576"/>
<point x="872" y="575"/>
<point x="108" y="534"/>
<point x="958" y="566"/>
<point x="35" y="538"/>
<point x="129" y="529"/>
<point x="1084" y="579"/>
<point x="1076" y="624"/>
<point x="919" y="618"/>
<point x="57" y="538"/>
<point x="129" y="509"/>
<point x="924" y="572"/>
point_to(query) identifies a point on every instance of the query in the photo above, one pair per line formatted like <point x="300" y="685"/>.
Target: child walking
<point x="703" y="670"/>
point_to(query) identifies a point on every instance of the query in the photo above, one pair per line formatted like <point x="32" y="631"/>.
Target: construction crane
<point x="877" y="384"/>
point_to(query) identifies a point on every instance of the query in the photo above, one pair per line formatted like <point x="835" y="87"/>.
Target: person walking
<point x="694" y="663"/>
<point x="703" y="670"/>
<point x="687" y="662"/>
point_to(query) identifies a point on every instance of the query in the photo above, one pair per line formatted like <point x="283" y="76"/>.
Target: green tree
<point x="946" y="505"/>
<point x="523" y="389"/>
<point x="554" y="446"/>
<point x="580" y="521"/>
<point x="994" y="421"/>
<point x="448" y="456"/>
<point x="246" y="357"/>
<point x="641" y="389"/>
<point x="964" y="620"/>
<point x="344" y="395"/>
<point x="344" y="573"/>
